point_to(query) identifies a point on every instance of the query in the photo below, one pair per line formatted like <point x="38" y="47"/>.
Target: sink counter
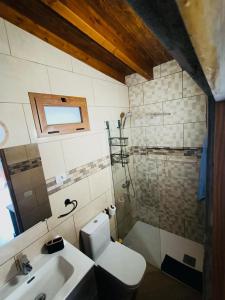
<point x="54" y="276"/>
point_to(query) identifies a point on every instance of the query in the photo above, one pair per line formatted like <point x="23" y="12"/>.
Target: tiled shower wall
<point x="168" y="126"/>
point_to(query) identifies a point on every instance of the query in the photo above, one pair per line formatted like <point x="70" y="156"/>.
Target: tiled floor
<point x="158" y="286"/>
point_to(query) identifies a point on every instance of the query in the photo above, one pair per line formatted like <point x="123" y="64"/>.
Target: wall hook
<point x="66" y="203"/>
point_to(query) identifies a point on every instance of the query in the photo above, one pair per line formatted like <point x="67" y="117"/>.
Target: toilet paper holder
<point x="110" y="211"/>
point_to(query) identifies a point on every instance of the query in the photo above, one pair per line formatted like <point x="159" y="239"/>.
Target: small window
<point x="59" y="114"/>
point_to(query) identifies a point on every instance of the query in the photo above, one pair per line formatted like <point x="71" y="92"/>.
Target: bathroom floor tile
<point x="158" y="286"/>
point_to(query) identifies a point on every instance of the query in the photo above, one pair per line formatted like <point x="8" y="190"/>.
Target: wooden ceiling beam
<point x="102" y="21"/>
<point x="164" y="19"/>
<point x="42" y="22"/>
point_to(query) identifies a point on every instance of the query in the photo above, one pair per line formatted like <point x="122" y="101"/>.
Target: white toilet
<point x="119" y="269"/>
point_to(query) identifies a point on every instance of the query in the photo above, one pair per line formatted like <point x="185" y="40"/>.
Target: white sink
<point x="53" y="276"/>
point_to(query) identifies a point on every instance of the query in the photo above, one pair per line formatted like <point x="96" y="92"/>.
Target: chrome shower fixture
<point x="127" y="115"/>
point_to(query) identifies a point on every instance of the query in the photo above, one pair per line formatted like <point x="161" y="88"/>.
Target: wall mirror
<point x="23" y="194"/>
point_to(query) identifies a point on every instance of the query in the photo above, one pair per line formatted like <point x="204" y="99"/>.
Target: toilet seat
<point x="123" y="263"/>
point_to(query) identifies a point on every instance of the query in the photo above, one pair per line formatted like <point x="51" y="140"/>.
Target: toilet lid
<point x="123" y="263"/>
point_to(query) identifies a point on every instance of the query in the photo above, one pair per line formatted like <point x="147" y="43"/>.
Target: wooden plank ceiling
<point x="107" y="35"/>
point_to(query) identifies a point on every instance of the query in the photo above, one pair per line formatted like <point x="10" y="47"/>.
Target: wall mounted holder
<point x="66" y="203"/>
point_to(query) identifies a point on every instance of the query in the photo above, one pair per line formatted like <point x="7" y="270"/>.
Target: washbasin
<point x="54" y="276"/>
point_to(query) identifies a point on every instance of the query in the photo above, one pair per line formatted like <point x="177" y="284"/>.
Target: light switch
<point x="60" y="179"/>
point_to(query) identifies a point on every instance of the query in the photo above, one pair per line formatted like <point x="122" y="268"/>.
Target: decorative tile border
<point x="143" y="150"/>
<point x="77" y="174"/>
<point x="24" y="166"/>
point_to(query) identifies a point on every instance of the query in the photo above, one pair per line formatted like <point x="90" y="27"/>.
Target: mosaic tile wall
<point x="168" y="126"/>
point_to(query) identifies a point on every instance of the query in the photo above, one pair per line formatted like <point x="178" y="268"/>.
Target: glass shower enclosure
<point x="135" y="195"/>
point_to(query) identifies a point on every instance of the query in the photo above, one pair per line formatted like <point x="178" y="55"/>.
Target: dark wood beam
<point x="38" y="19"/>
<point x="164" y="19"/>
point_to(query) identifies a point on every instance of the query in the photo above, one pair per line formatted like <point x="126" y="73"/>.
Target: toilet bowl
<point x="119" y="269"/>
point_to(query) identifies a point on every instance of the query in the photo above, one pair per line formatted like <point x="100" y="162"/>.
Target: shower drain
<point x="41" y="296"/>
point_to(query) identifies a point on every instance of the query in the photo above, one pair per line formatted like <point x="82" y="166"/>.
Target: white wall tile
<point x="30" y="123"/>
<point x="66" y="230"/>
<point x="134" y="79"/>
<point x="186" y="110"/>
<point x="170" y="67"/>
<point x="138" y="136"/>
<point x="82" y="217"/>
<point x="152" y="91"/>
<point x="177" y="246"/>
<point x="157" y="72"/>
<point x="96" y="181"/>
<point x="7" y="271"/>
<point x="52" y="159"/>
<point x="12" y="116"/>
<point x="78" y="191"/>
<point x="84" y="69"/>
<point x="165" y="136"/>
<point x="18" y="77"/>
<point x="136" y="96"/>
<point x="27" y="46"/>
<point x="82" y="150"/>
<point x="190" y="87"/>
<point x="109" y="94"/>
<point x="194" y="134"/>
<point x="4" y="45"/>
<point x="71" y="84"/>
<point x="153" y="114"/>
<point x="22" y="241"/>
<point x="151" y="134"/>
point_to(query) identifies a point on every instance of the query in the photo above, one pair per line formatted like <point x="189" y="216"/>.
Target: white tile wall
<point x="78" y="191"/>
<point x="136" y="95"/>
<point x="35" y="66"/>
<point x="18" y="77"/>
<point x="82" y="150"/>
<point x="96" y="180"/>
<point x="73" y="84"/>
<point x="190" y="88"/>
<point x="169" y="67"/>
<point x="109" y="94"/>
<point x="52" y="159"/>
<point x="12" y="116"/>
<point x="8" y="270"/>
<point x="22" y="241"/>
<point x="25" y="45"/>
<point x="84" y="69"/>
<point x="194" y="134"/>
<point x="4" y="45"/>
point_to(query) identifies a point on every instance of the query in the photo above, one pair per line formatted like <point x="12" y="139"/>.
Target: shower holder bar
<point x="118" y="141"/>
<point x="120" y="158"/>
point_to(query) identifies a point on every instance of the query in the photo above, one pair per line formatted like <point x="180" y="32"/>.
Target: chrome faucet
<point x="25" y="265"/>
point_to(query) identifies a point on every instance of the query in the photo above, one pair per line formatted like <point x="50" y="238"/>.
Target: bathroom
<point x="112" y="199"/>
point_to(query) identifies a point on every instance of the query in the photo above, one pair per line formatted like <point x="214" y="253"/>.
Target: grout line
<point x="7" y="36"/>
<point x="28" y="131"/>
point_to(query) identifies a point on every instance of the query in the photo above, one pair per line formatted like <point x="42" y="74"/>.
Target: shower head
<point x="122" y="115"/>
<point x="127" y="115"/>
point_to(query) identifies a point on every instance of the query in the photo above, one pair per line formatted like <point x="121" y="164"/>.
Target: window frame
<point x="39" y="101"/>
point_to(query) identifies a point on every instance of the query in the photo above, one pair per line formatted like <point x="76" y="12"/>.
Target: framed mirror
<point x="23" y="193"/>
